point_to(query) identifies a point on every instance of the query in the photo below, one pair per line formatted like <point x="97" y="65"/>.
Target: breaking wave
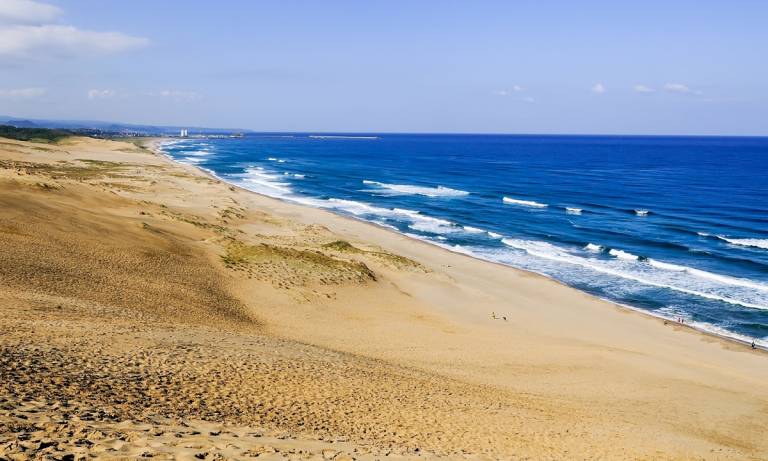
<point x="657" y="274"/>
<point x="407" y="189"/>
<point x="257" y="180"/>
<point x="529" y="203"/>
<point x="623" y="255"/>
<point x="747" y="242"/>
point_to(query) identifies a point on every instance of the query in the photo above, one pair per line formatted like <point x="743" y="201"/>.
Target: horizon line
<point x="445" y="133"/>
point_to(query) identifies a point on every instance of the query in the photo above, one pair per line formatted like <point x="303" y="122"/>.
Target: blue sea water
<point x="675" y="226"/>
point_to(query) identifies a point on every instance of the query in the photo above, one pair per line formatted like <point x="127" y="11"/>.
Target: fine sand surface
<point x="148" y="310"/>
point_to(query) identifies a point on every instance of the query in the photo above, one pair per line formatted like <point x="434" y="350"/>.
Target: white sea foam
<point x="455" y="248"/>
<point x="473" y="230"/>
<point x="406" y="212"/>
<point x="210" y="172"/>
<point x="356" y="208"/>
<point x="570" y="210"/>
<point x="746" y="242"/>
<point x="703" y="234"/>
<point x="384" y="224"/>
<point x="623" y="254"/>
<point x="689" y="281"/>
<point x="708" y="327"/>
<point x="299" y="176"/>
<point x="408" y="189"/>
<point x="529" y="203"/>
<point x="169" y="143"/>
<point x="494" y="235"/>
<point x="257" y="180"/>
<point x="724" y="279"/>
<point x="593" y="248"/>
<point x="196" y="153"/>
<point x="416" y="220"/>
<point x="434" y="225"/>
<point x="642" y="212"/>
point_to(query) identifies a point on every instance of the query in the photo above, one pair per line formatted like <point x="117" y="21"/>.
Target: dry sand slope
<point x="149" y="310"/>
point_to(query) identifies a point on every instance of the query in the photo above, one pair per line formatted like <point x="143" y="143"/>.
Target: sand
<point x="147" y="309"/>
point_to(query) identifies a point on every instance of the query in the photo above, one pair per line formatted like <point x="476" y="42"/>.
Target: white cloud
<point x="529" y="99"/>
<point x="100" y="94"/>
<point x="22" y="93"/>
<point x="514" y="89"/>
<point x="643" y="89"/>
<point x="177" y="95"/>
<point x="27" y="12"/>
<point x="598" y="88"/>
<point x="680" y="88"/>
<point x="27" y="32"/>
<point x="63" y="41"/>
<point x="173" y="95"/>
<point x="677" y="88"/>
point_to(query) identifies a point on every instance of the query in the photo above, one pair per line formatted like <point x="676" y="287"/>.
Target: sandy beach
<point x="148" y="309"/>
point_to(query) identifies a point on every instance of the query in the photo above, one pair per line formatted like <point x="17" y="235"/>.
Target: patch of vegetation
<point x="120" y="186"/>
<point x="286" y="267"/>
<point x="13" y="147"/>
<point x="139" y="141"/>
<point x="342" y="245"/>
<point x="231" y="212"/>
<point x="197" y="222"/>
<point x="131" y="150"/>
<point x="399" y="261"/>
<point x="151" y="228"/>
<point x="92" y="169"/>
<point x="44" y="135"/>
<point x="101" y="163"/>
<point x="193" y="177"/>
<point x="46" y="186"/>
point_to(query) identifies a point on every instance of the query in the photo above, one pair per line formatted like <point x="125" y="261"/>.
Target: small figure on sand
<point x="753" y="345"/>
<point x="493" y="315"/>
<point x="505" y="318"/>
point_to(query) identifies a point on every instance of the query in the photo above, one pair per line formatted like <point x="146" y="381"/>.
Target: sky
<point x="613" y="67"/>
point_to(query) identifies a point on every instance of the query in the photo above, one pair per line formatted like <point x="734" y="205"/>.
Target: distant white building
<point x="183" y="133"/>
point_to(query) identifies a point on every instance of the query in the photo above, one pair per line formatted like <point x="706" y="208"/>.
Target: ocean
<point x="673" y="226"/>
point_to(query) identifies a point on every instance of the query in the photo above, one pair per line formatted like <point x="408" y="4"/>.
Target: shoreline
<point x="154" y="145"/>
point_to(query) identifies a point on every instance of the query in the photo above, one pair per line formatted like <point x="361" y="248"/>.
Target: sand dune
<point x="147" y="309"/>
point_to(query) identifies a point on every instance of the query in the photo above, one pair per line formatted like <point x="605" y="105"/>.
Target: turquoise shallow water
<point x="676" y="226"/>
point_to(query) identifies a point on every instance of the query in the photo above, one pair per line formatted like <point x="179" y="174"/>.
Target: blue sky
<point x="502" y="67"/>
